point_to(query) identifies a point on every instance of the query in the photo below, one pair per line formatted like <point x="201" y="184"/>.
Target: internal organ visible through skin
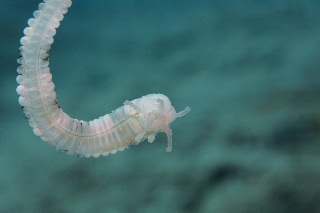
<point x="131" y="123"/>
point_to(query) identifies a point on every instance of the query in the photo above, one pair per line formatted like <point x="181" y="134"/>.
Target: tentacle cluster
<point x="156" y="114"/>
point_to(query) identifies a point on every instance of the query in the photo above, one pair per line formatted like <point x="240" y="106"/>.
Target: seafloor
<point x="248" y="69"/>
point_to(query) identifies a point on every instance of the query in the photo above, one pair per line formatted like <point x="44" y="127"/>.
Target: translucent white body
<point x="131" y="123"/>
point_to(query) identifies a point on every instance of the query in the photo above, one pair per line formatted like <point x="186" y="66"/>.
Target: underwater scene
<point x="248" y="69"/>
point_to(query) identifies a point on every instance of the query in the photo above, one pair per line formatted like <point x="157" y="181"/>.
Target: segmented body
<point x="129" y="124"/>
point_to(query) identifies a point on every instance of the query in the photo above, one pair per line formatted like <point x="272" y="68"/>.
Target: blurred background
<point x="248" y="69"/>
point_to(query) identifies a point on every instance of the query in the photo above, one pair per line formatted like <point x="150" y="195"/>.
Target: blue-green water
<point x="249" y="70"/>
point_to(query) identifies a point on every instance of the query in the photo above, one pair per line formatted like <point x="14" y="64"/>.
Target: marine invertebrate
<point x="131" y="123"/>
